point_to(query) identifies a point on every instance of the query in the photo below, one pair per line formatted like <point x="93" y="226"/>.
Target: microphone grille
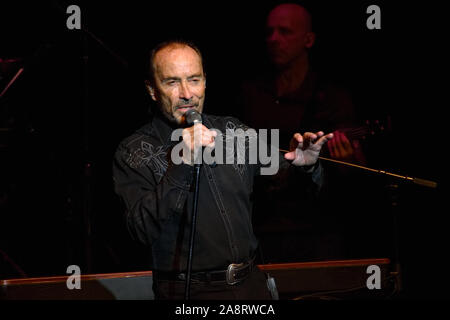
<point x="192" y="117"/>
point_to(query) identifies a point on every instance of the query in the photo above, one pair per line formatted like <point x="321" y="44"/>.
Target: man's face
<point x="288" y="33"/>
<point x="179" y="81"/>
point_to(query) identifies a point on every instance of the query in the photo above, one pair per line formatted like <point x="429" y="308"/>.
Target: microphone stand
<point x="394" y="203"/>
<point x="392" y="189"/>
<point x="14" y="78"/>
<point x="192" y="117"/>
<point x="422" y="182"/>
<point x="187" y="292"/>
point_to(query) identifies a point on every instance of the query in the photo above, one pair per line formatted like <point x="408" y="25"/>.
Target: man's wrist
<point x="191" y="159"/>
<point x="310" y="168"/>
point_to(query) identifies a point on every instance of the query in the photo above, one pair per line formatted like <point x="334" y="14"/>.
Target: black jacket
<point x="158" y="197"/>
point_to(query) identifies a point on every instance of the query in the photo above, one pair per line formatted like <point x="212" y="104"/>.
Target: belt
<point x="235" y="273"/>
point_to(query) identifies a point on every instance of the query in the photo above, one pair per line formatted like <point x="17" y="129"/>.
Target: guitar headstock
<point x="370" y="128"/>
<point x="378" y="127"/>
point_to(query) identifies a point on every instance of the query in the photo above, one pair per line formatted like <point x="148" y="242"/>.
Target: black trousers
<point x="254" y="287"/>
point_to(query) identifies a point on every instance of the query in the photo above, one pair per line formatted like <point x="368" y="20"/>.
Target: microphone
<point x="192" y="117"/>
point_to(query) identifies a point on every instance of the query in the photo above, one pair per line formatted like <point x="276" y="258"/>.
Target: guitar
<point x="371" y="128"/>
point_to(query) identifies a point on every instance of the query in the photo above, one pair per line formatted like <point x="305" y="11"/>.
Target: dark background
<point x="68" y="114"/>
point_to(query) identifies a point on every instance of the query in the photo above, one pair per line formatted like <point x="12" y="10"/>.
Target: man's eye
<point x="285" y="31"/>
<point x="171" y="83"/>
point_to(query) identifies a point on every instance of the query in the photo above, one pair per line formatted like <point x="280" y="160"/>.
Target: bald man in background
<point x="292" y="85"/>
<point x="292" y="96"/>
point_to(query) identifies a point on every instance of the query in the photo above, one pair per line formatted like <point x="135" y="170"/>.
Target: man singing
<point x="158" y="194"/>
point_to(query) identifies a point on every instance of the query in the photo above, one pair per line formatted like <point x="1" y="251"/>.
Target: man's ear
<point x="150" y="89"/>
<point x="310" y="39"/>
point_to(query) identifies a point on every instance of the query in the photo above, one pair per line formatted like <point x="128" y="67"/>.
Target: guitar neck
<point x="356" y="133"/>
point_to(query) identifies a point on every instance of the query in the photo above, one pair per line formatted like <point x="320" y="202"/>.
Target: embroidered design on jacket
<point x="147" y="154"/>
<point x="240" y="146"/>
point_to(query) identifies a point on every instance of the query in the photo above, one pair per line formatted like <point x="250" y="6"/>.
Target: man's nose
<point x="185" y="92"/>
<point x="273" y="36"/>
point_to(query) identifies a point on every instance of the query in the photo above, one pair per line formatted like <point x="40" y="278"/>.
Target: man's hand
<point x="340" y="148"/>
<point x="195" y="138"/>
<point x="305" y="149"/>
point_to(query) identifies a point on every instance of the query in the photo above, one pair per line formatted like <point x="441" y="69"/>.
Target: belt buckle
<point x="231" y="273"/>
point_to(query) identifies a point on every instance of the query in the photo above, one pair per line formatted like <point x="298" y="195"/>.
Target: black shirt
<point x="158" y="198"/>
<point x="317" y="105"/>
